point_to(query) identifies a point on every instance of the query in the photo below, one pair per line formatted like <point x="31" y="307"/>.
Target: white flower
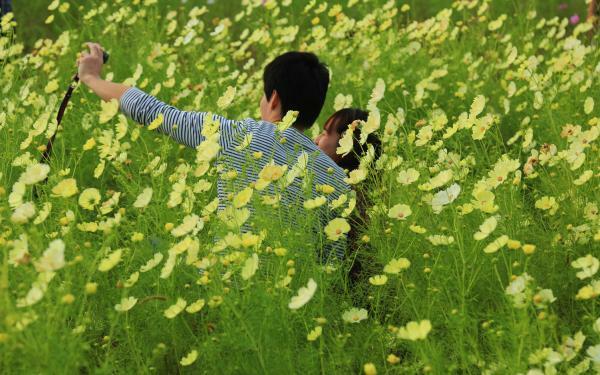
<point x="53" y="258"/>
<point x="589" y="266"/>
<point x="354" y="315"/>
<point x="594" y="353"/>
<point x="444" y="197"/>
<point x="34" y="173"/>
<point x="304" y="295"/>
<point x="23" y="213"/>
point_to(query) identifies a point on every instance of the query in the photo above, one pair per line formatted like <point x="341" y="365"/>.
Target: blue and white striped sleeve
<point x="185" y="127"/>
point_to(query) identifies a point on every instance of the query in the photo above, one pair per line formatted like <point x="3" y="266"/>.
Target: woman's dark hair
<point x="301" y="81"/>
<point x="339" y="122"/>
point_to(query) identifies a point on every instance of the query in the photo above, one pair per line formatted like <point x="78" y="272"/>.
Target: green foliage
<point x="532" y="145"/>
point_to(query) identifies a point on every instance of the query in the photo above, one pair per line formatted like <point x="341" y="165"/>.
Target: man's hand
<point x="90" y="64"/>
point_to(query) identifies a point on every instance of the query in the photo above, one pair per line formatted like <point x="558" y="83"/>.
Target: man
<point x="293" y="81"/>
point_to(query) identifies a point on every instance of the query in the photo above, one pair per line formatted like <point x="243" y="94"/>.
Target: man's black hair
<point x="301" y="81"/>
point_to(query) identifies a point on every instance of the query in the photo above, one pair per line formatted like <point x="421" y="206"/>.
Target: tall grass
<point x="436" y="58"/>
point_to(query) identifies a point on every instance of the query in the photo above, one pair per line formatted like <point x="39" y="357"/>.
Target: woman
<point x="328" y="142"/>
<point x="334" y="128"/>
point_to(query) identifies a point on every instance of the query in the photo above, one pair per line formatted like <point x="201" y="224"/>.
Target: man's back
<point x="246" y="147"/>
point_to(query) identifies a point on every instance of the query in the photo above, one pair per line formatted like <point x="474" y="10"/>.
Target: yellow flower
<point x="588" y="105"/>
<point x="477" y="106"/>
<point x="110" y="261"/>
<point x="325" y="189"/>
<point x="496" y="245"/>
<point x="513" y="244"/>
<point x="336" y="228"/>
<point x="356" y="176"/>
<point x="395" y="266"/>
<point x="369" y="369"/>
<point x="272" y="172"/>
<point x="497" y="23"/>
<point x="280" y="251"/>
<point x="287" y="120"/>
<point x="378" y="280"/>
<point x="143" y="198"/>
<point x="89" y="198"/>
<point x="424" y="136"/>
<point x="309" y="204"/>
<point x="108" y="110"/>
<point x="315" y="333"/>
<point x="249" y="239"/>
<point x="156" y="122"/>
<point x="126" y="304"/>
<point x="189" y="358"/>
<point x="227" y="98"/>
<point x="68" y="299"/>
<point x="234" y="218"/>
<point x="484" y="201"/>
<point x="133" y="278"/>
<point x="488" y="226"/>
<point x="354" y="315"/>
<point x="243" y="197"/>
<point x="547" y="203"/>
<point x="438" y="240"/>
<point x="438" y="180"/>
<point x="65" y="188"/>
<point x="245" y="142"/>
<point x="155" y="261"/>
<point x="174" y="310"/>
<point x="346" y="142"/>
<point x="91" y="288"/>
<point x="392" y="359"/>
<point x="304" y="295"/>
<point x="191" y="224"/>
<point x="53" y="5"/>
<point x="585" y="176"/>
<point x="589" y="291"/>
<point x="417" y="229"/>
<point x="528" y="249"/>
<point x="196" y="306"/>
<point x="250" y="267"/>
<point x="399" y="211"/>
<point x="415" y="330"/>
<point x="51" y="86"/>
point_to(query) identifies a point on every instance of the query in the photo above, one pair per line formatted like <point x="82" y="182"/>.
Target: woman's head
<point x="335" y="126"/>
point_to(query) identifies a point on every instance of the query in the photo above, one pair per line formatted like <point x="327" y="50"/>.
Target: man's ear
<point x="274" y="101"/>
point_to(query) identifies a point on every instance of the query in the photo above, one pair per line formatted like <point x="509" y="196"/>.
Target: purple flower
<point x="563" y="6"/>
<point x="574" y="19"/>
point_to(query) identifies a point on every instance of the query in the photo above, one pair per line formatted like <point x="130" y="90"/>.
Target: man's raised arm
<point x="183" y="126"/>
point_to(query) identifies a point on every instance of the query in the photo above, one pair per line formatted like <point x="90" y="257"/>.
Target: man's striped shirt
<point x="185" y="127"/>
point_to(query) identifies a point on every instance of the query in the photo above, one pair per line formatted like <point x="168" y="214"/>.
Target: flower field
<point x="473" y="237"/>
